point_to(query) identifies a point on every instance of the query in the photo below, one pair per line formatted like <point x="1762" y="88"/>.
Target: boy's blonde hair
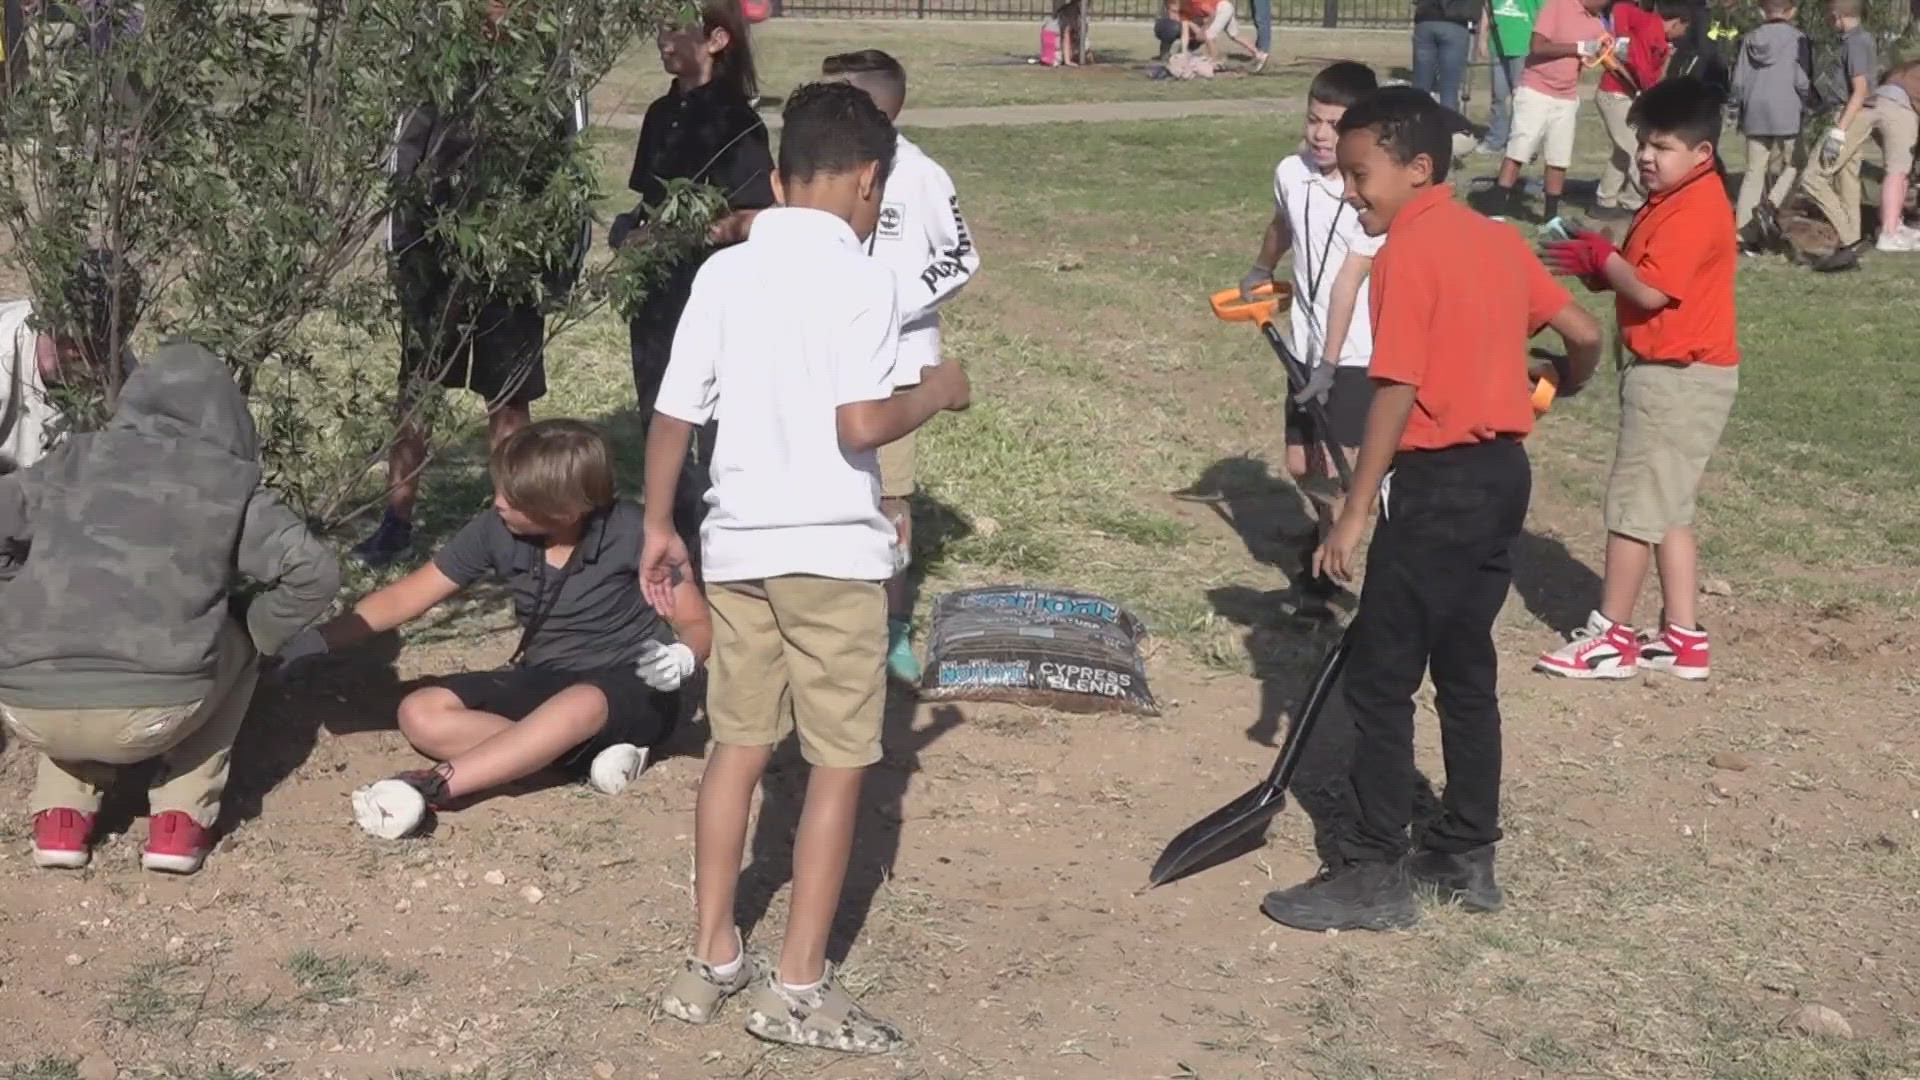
<point x="554" y="470"/>
<point x="1848" y="9"/>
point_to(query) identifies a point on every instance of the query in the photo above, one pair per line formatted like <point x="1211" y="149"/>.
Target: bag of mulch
<point x="1050" y="647"/>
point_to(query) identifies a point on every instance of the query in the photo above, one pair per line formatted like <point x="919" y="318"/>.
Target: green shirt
<point x="1513" y="26"/>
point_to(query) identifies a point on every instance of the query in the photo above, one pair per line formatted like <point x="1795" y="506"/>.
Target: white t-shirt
<point x="1325" y="230"/>
<point x="925" y="242"/>
<point x="25" y="411"/>
<point x="781" y="331"/>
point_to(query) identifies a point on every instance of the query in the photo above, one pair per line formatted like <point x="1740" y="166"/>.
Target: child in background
<point x="1643" y="42"/>
<point x="119" y="555"/>
<point x="923" y="239"/>
<point x="1215" y="18"/>
<point x="1546" y="108"/>
<point x="1770" y="83"/>
<point x="1450" y="406"/>
<point x="1506" y="36"/>
<point x="1835" y="189"/>
<point x="1833" y="176"/>
<point x="795" y="548"/>
<point x="572" y="694"/>
<point x="1673" y="296"/>
<point x="1332" y="327"/>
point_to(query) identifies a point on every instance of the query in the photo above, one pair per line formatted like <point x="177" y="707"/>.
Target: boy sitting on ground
<point x="795" y="547"/>
<point x="1332" y="327"/>
<point x="1673" y="295"/>
<point x="117" y="645"/>
<point x="925" y="242"/>
<point x="572" y="694"/>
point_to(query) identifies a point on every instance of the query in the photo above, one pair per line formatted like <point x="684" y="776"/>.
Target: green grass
<point x="336" y="979"/>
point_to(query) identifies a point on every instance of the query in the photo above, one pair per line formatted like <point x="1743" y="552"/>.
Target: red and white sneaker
<point x="1603" y="649"/>
<point x="176" y="843"/>
<point x="1678" y="651"/>
<point x="60" y="838"/>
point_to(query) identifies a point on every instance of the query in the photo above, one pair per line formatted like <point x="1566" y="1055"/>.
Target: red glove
<point x="1584" y="256"/>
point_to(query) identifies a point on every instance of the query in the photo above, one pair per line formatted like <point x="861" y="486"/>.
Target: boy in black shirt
<point x="594" y="680"/>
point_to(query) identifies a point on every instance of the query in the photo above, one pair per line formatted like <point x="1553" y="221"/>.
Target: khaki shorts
<point x="1544" y="125"/>
<point x="1898" y="128"/>
<point x="1671" y="417"/>
<point x="1223" y="21"/>
<point x="800" y="652"/>
<point x="897" y="460"/>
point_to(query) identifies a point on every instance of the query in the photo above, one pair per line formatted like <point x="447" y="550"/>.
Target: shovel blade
<point x="1216" y="831"/>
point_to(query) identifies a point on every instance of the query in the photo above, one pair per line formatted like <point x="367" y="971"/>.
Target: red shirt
<point x="1682" y="243"/>
<point x="1455" y="299"/>
<point x="1647" y="47"/>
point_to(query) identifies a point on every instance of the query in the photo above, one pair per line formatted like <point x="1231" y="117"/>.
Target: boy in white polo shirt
<point x="923" y="239"/>
<point x="790" y="342"/>
<point x="1332" y="329"/>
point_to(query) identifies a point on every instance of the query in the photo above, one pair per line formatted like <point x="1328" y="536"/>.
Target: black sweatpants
<point x="1437" y="574"/>
<point x="651" y="344"/>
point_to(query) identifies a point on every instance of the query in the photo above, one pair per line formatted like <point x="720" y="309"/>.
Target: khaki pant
<point x="805" y="652"/>
<point x="1764" y="154"/>
<point x="1835" y="189"/>
<point x="1671" y="417"/>
<point x="80" y="749"/>
<point x="1620" y="180"/>
<point x="897" y="462"/>
<point x="1545" y="125"/>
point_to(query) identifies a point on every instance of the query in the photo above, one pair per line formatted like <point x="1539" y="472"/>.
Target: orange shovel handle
<point x="1266" y="304"/>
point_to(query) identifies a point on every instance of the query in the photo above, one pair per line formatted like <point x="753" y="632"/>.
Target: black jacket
<point x="710" y="134"/>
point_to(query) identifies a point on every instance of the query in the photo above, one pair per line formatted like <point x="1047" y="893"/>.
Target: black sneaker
<point x="1357" y="896"/>
<point x="390" y="543"/>
<point x="1465" y="878"/>
<point x="1840" y="259"/>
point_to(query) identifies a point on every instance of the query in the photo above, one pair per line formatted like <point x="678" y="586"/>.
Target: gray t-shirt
<point x="599" y="619"/>
<point x="1858" y="56"/>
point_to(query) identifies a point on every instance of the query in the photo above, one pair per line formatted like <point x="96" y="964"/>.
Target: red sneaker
<point x="1678" y="651"/>
<point x="175" y="843"/>
<point x="1603" y="649"/>
<point x="60" y="838"/>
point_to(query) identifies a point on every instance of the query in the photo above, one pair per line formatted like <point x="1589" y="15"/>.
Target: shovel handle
<point x="1309" y="714"/>
<point x="1263" y="306"/>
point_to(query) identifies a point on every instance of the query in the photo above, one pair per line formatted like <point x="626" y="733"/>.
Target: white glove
<point x="302" y="645"/>
<point x="665" y="667"/>
<point x="1831" y="146"/>
<point x="1588" y="50"/>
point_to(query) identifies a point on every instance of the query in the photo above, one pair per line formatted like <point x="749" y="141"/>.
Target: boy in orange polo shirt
<point x="1442" y="455"/>
<point x="1673" y="294"/>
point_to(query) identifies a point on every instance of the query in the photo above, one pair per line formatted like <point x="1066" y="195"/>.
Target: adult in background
<point x="485" y="336"/>
<point x="1442" y="37"/>
<point x="39" y="363"/>
<point x="703" y="128"/>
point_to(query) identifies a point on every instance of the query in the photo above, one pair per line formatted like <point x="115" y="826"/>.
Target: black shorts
<point x="497" y="351"/>
<point x="636" y="712"/>
<point x="1346" y="409"/>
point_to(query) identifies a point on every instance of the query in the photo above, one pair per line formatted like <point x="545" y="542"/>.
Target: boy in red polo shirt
<point x="1643" y="42"/>
<point x="1442" y="455"/>
<point x="1673" y="294"/>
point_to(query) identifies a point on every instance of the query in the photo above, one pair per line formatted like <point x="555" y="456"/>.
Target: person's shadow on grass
<point x="876" y="839"/>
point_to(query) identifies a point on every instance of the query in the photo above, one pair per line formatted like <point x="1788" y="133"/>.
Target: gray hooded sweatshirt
<point x="119" y="550"/>
<point x="1770" y="79"/>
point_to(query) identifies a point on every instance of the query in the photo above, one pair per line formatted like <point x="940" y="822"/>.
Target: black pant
<point x="652" y="347"/>
<point x="1437" y="574"/>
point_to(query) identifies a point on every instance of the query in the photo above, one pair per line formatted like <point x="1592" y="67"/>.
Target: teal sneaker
<point x="901" y="663"/>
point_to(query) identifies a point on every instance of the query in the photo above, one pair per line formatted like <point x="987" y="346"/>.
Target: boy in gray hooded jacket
<point x="1770" y="82"/>
<point x="119" y="553"/>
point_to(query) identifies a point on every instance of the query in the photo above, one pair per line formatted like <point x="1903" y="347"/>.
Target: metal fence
<point x="1331" y="13"/>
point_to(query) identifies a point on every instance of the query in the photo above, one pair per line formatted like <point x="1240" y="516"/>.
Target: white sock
<point x="804" y="989"/>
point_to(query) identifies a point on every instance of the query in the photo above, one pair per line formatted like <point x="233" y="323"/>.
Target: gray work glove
<point x="1831" y="146"/>
<point x="1319" y="385"/>
<point x="1256" y="277"/>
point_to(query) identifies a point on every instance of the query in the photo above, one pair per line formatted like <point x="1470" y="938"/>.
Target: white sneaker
<point x="616" y="767"/>
<point x="1602" y="649"/>
<point x="1899" y="241"/>
<point x="389" y="809"/>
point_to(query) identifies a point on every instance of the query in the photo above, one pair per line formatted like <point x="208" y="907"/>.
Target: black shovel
<point x="1269" y="797"/>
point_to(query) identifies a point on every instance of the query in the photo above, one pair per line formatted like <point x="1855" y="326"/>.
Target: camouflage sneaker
<point x="824" y="1017"/>
<point x="696" y="994"/>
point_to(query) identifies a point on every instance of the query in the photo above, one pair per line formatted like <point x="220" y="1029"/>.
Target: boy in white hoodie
<point x="923" y="239"/>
